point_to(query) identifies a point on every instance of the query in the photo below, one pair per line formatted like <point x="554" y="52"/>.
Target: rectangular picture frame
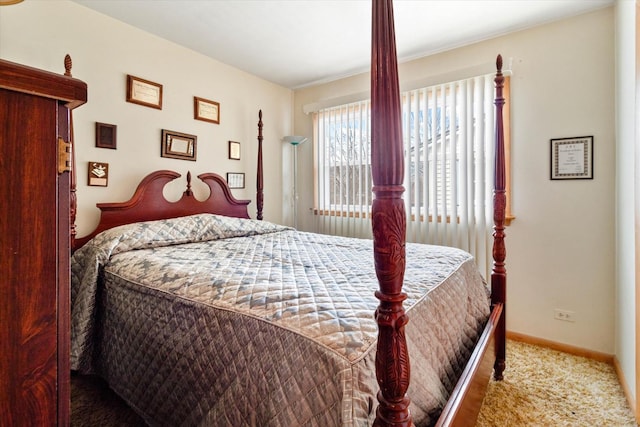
<point x="206" y="110"/>
<point x="234" y="150"/>
<point x="572" y="158"/>
<point x="144" y="92"/>
<point x="106" y="135"/>
<point x="98" y="174"/>
<point x="235" y="179"/>
<point x="178" y="145"/>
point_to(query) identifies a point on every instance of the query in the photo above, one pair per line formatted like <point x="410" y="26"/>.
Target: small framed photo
<point x="177" y="145"/>
<point x="234" y="150"/>
<point x="98" y="174"/>
<point x="572" y="158"/>
<point x="206" y="110"/>
<point x="235" y="180"/>
<point x="106" y="135"/>
<point x="144" y="92"/>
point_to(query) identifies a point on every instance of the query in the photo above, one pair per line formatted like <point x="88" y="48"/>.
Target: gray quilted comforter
<point x="215" y="321"/>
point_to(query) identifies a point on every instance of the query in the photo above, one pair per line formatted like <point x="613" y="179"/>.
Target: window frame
<point x="333" y="209"/>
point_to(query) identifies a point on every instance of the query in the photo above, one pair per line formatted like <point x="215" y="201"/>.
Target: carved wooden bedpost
<point x="73" y="198"/>
<point x="388" y="221"/>
<point x="499" y="272"/>
<point x="259" y="181"/>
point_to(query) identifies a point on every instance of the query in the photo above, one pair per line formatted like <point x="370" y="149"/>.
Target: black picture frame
<point x="571" y="158"/>
<point x="235" y="179"/>
<point x="234" y="150"/>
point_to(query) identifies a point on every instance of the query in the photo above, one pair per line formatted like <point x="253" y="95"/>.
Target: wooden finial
<point x="260" y="173"/>
<point x="499" y="63"/>
<point x="67" y="65"/>
<point x="188" y="191"/>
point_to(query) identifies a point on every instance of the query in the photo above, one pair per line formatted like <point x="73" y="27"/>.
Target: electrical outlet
<point x="567" y="316"/>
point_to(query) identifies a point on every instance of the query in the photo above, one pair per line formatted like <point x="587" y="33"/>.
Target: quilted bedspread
<point x="213" y="321"/>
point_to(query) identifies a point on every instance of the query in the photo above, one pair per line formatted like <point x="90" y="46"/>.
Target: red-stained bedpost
<point x="499" y="272"/>
<point x="259" y="181"/>
<point x="73" y="197"/>
<point x="388" y="221"/>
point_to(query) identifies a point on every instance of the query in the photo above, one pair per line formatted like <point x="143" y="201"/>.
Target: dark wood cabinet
<point x="35" y="162"/>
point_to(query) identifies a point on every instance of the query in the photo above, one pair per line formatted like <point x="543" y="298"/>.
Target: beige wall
<point x="627" y="110"/>
<point x="104" y="51"/>
<point x="560" y="249"/>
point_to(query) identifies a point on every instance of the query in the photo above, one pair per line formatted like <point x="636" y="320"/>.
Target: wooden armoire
<point x="35" y="195"/>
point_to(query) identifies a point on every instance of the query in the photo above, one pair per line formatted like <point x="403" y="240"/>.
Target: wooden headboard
<point x="148" y="203"/>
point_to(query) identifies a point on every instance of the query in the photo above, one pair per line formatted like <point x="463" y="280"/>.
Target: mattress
<point x="208" y="320"/>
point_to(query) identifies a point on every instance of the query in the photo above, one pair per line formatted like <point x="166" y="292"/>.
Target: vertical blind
<point x="448" y="135"/>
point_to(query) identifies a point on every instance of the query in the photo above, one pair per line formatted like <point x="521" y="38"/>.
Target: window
<point x="448" y="133"/>
<point x="343" y="160"/>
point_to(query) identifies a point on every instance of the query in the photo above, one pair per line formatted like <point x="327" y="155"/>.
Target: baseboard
<point x="566" y="348"/>
<point x="625" y="387"/>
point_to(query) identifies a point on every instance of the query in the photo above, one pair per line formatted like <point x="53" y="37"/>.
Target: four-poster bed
<point x="139" y="291"/>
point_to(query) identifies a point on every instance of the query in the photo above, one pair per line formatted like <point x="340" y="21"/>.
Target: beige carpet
<point x="542" y="387"/>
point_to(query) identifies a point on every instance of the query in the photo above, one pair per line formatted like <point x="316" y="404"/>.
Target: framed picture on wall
<point x="98" y="174"/>
<point x="206" y="110"/>
<point x="572" y="158"/>
<point x="106" y="135"/>
<point x="234" y="150"/>
<point x="178" y="145"/>
<point x="235" y="179"/>
<point x="144" y="92"/>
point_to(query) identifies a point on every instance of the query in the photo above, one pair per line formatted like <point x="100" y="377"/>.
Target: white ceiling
<point x="297" y="43"/>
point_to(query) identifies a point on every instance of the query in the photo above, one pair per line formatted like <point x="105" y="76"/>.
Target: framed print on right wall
<point x="572" y="158"/>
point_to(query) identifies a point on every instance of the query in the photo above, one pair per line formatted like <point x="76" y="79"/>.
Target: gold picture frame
<point x="144" y="92"/>
<point x="206" y="110"/>
<point x="178" y="145"/>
